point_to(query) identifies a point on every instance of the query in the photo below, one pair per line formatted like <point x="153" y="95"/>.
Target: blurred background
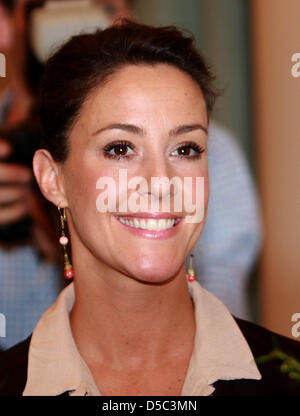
<point x="250" y="45"/>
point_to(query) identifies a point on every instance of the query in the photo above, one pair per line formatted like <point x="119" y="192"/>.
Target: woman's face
<point x="148" y="121"/>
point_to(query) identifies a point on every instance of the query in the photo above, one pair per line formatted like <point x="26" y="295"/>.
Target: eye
<point x="118" y="150"/>
<point x="188" y="151"/>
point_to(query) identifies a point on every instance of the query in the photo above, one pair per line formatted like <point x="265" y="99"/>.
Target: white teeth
<point x="162" y="224"/>
<point x="143" y="223"/>
<point x="170" y="223"/>
<point x="149" y="224"/>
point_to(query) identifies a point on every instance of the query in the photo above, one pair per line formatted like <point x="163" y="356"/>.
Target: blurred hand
<point x="18" y="199"/>
<point x="15" y="183"/>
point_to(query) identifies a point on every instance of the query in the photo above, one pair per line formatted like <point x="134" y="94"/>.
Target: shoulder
<point x="262" y="340"/>
<point x="277" y="358"/>
<point x="13" y="369"/>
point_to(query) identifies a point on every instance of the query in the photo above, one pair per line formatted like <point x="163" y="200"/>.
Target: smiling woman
<point x="133" y="98"/>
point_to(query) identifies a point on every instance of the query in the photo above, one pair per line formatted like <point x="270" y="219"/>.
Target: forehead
<point x="139" y="91"/>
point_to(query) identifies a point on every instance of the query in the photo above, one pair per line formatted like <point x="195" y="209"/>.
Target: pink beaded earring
<point x="191" y="275"/>
<point x="64" y="241"/>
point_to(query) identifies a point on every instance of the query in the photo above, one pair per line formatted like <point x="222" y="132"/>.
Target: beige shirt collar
<point x="220" y="352"/>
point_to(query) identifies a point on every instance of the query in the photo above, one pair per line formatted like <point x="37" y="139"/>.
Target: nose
<point x="158" y="174"/>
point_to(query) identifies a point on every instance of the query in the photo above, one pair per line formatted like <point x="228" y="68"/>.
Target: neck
<point x="119" y="320"/>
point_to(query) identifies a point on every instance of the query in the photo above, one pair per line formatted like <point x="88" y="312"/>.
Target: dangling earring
<point x="64" y="241"/>
<point x="191" y="275"/>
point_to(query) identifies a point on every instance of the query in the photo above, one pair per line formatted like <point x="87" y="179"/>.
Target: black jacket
<point x="275" y="381"/>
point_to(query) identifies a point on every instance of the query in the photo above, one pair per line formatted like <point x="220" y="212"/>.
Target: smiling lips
<point x="150" y="225"/>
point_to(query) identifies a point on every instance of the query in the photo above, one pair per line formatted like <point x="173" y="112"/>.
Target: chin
<point x="156" y="273"/>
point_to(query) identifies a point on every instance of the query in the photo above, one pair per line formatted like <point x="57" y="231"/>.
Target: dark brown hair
<point x="85" y="61"/>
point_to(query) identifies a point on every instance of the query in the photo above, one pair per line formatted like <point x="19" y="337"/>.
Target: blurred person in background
<point x="29" y="277"/>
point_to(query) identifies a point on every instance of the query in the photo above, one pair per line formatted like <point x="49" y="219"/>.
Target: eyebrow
<point x="186" y="129"/>
<point x="131" y="128"/>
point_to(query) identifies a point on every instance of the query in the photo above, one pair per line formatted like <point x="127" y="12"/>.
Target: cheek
<point x="197" y="177"/>
<point x="81" y="186"/>
<point x="203" y="173"/>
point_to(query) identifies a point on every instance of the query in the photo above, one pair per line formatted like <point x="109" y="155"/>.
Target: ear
<point x="49" y="178"/>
